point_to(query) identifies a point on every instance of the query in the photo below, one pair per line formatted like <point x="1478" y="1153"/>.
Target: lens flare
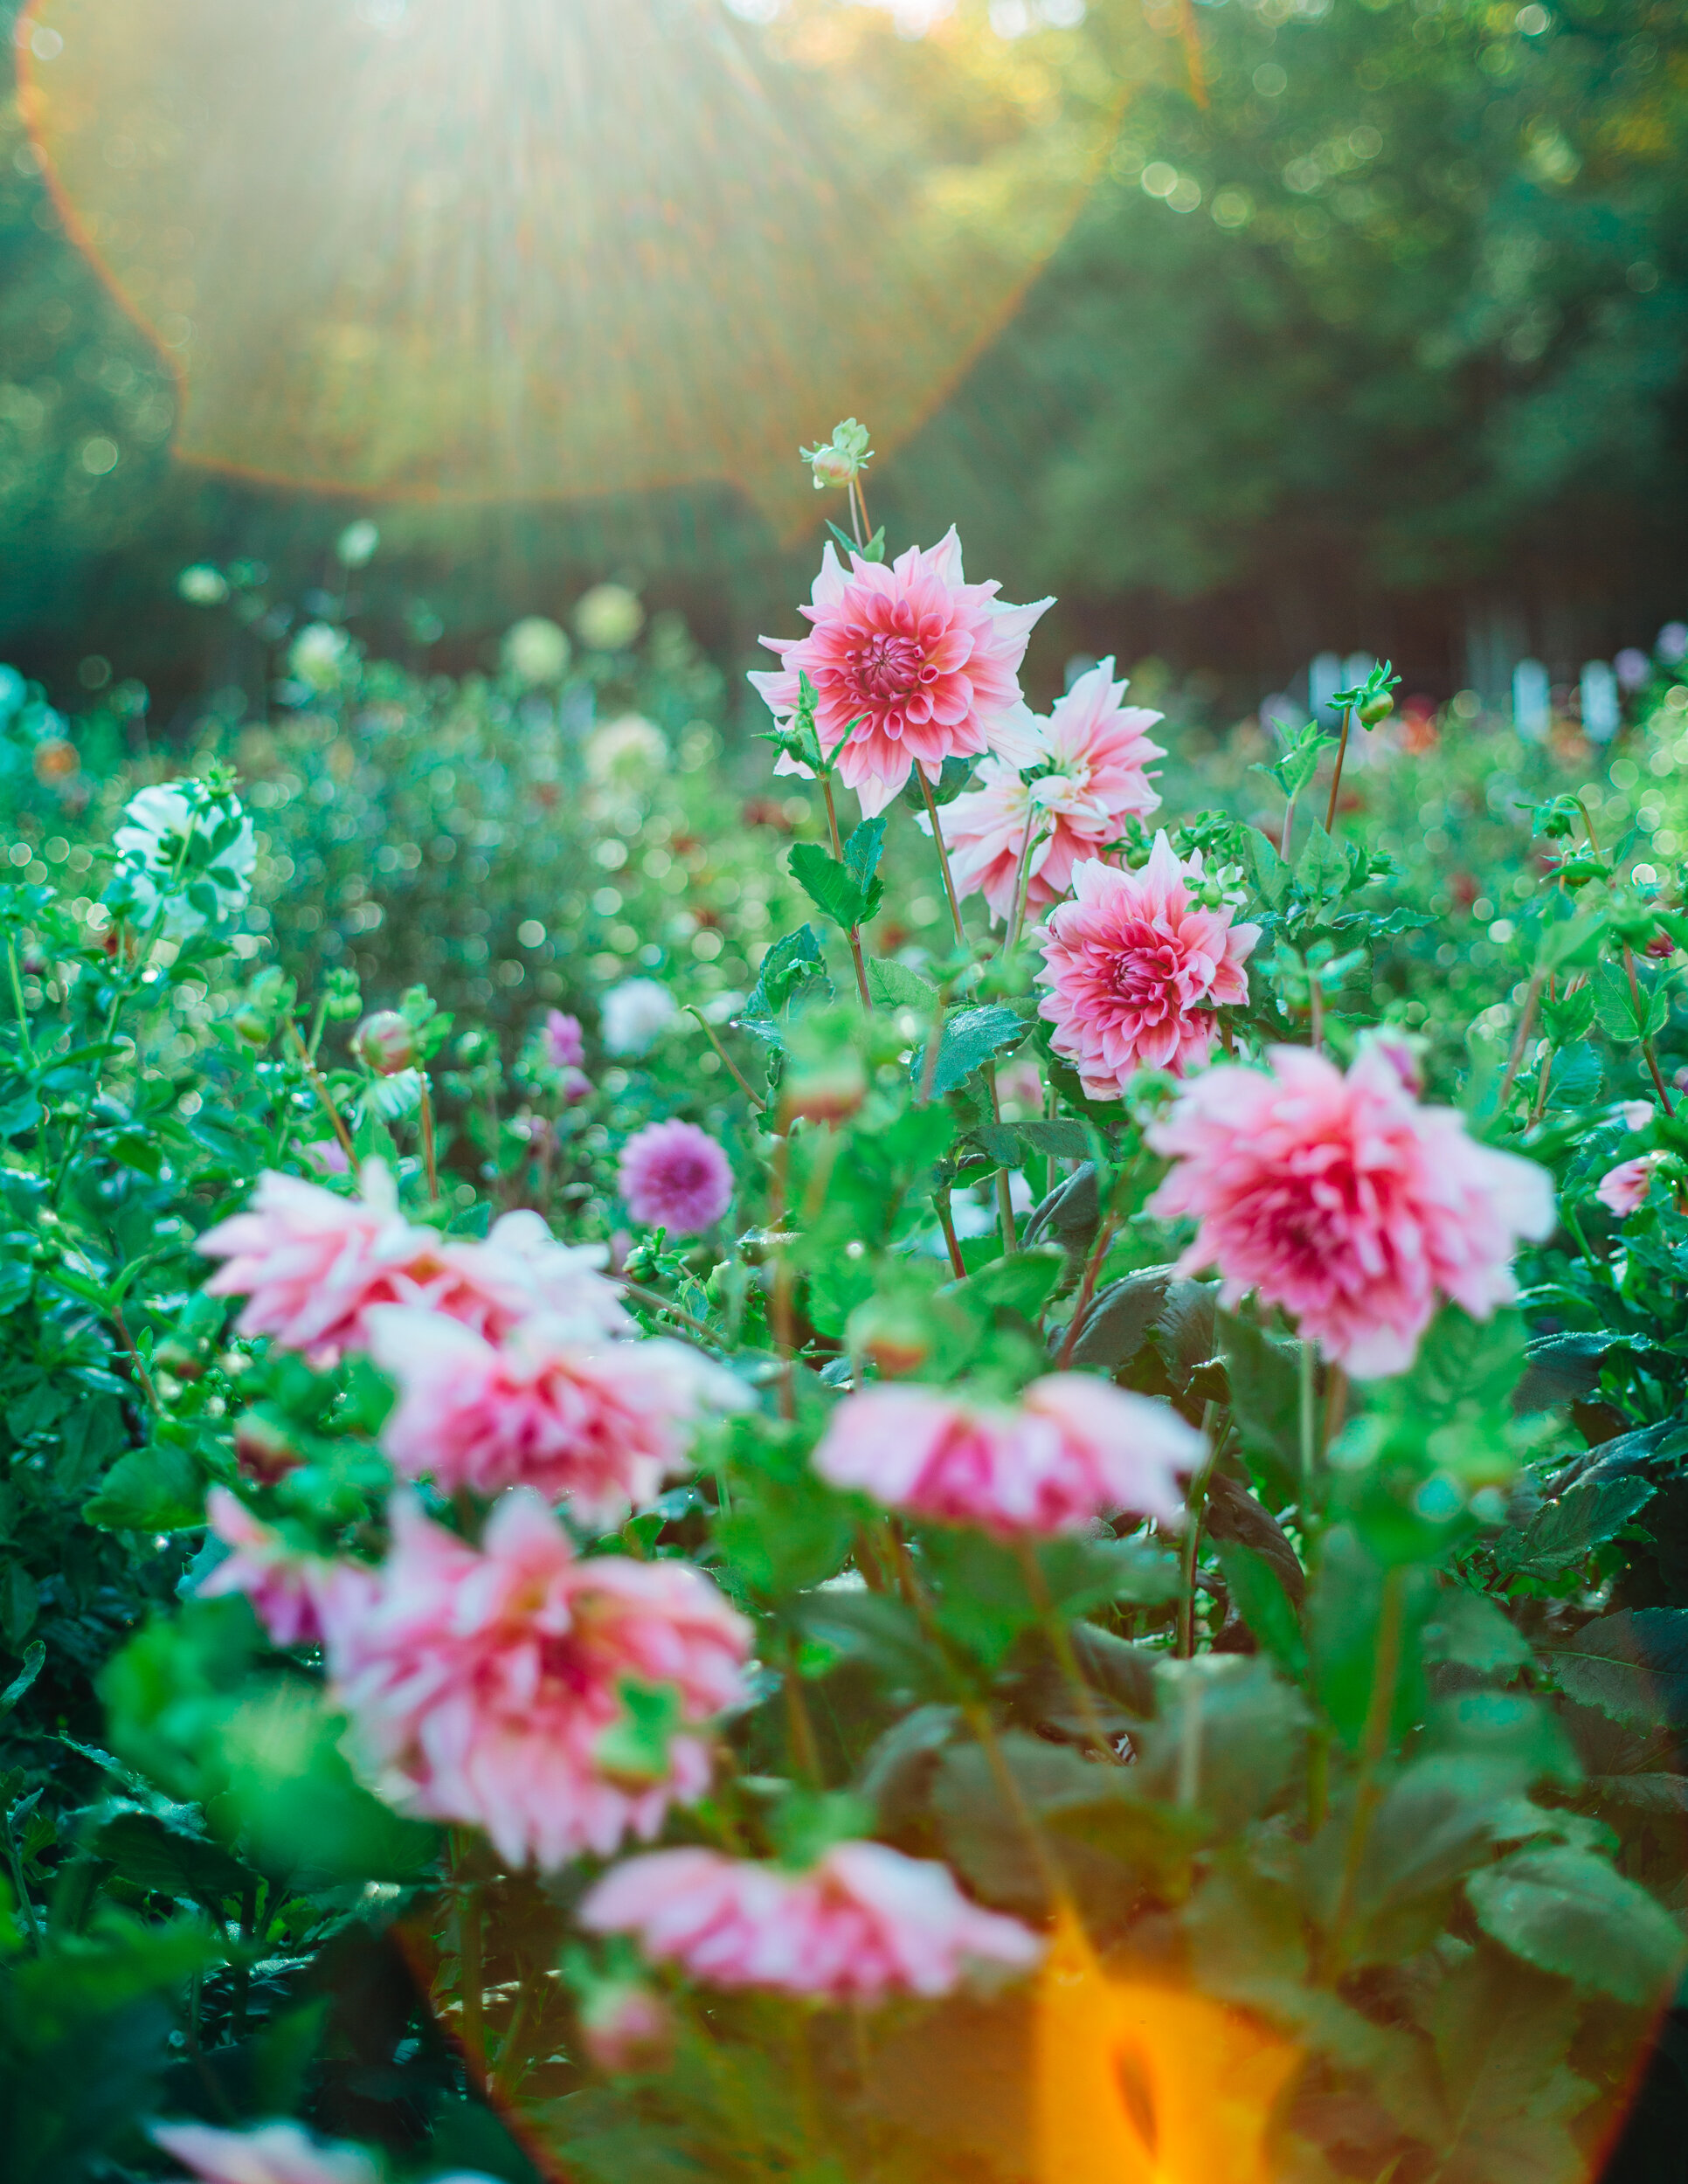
<point x="553" y="248"/>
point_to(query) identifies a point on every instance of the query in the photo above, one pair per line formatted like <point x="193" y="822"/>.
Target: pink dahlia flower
<point x="1089" y="778"/>
<point x="674" y="1175"/>
<point x="861" y="1923"/>
<point x="910" y="664"/>
<point x="1341" y="1200"/>
<point x="1074" y="1447"/>
<point x="310" y="1262"/>
<point x="480" y="1682"/>
<point x="281" y="1584"/>
<point x="1624" y="1189"/>
<point x="274" y="2153"/>
<point x="565" y="1046"/>
<point x="600" y="1425"/>
<point x="1136" y="969"/>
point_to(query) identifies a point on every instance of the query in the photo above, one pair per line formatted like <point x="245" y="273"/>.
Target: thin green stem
<point x="18" y="998"/>
<point x="943" y="861"/>
<point x="1194" y="1503"/>
<point x="854" y="932"/>
<point x="425" y="1115"/>
<point x="324" y="1097"/>
<point x="1004" y="1204"/>
<point x="1374" y="1745"/>
<point x="1086" y="1288"/>
<point x="1646" y="1046"/>
<point x="1336" y="774"/>
<point x="731" y="1067"/>
<point x="1308" y="1364"/>
<point x="1022" y="880"/>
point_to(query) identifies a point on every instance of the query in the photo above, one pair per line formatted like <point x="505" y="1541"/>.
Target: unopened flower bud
<point x="385" y="1043"/>
<point x="1661" y="947"/>
<point x="264" y="1448"/>
<point x="831" y="466"/>
<point x="894" y="1341"/>
<point x="181" y="1359"/>
<point x="827" y="1090"/>
<point x="1376" y="708"/>
<point x="626" y="2026"/>
<point x="253" y="1025"/>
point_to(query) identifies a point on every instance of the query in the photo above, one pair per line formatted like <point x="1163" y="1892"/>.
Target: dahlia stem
<point x="1022" y="880"/>
<point x="1316" y="1010"/>
<point x="1086" y="1288"/>
<point x="1005" y="1203"/>
<point x="1368" y="1794"/>
<point x="1189" y="1546"/>
<point x="1308" y="1366"/>
<point x="731" y="1067"/>
<point x="1336" y="772"/>
<point x="946" y="1223"/>
<point x="782" y="1283"/>
<point x="854" y="932"/>
<point x="1289" y="829"/>
<point x="425" y="1117"/>
<point x="1646" y="1046"/>
<point x="324" y="1098"/>
<point x="942" y="859"/>
<point x="18" y="1000"/>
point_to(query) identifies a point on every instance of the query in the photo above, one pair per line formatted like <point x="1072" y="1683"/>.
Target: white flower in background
<point x="357" y="543"/>
<point x="202" y="585"/>
<point x="633" y="1013"/>
<point x="536" y="651"/>
<point x="630" y="744"/>
<point x="188" y="849"/>
<point x="608" y="618"/>
<point x="320" y="656"/>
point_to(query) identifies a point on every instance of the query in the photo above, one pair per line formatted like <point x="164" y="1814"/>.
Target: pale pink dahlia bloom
<point x="861" y="1923"/>
<point x="598" y="1424"/>
<point x="1343" y="1201"/>
<point x="1074" y="1447"/>
<point x="273" y="2153"/>
<point x="310" y="1262"/>
<point x="1091" y="777"/>
<point x="280" y="1583"/>
<point x="561" y="1037"/>
<point x="674" y="1175"/>
<point x="480" y="1682"/>
<point x="1136" y="969"/>
<point x="1624" y="1189"/>
<point x="912" y="665"/>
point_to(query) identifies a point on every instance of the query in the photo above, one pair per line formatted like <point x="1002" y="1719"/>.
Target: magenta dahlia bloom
<point x="281" y="1584"/>
<point x="1340" y="1199"/>
<point x="1087" y="778"/>
<point x="1623" y="1189"/>
<point x="1136" y="968"/>
<point x="481" y="1682"/>
<point x="310" y="1262"/>
<point x="1074" y="1447"/>
<point x="863" y="1922"/>
<point x="599" y="1425"/>
<point x="910" y="664"/>
<point x="674" y="1175"/>
<point x="560" y="1037"/>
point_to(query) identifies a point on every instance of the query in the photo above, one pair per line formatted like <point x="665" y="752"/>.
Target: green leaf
<point x="1019" y="1284"/>
<point x="783" y="1535"/>
<point x="839" y="893"/>
<point x="1569" y="1912"/>
<point x="1501" y="2039"/>
<point x="1120" y="1318"/>
<point x="34" y="1657"/>
<point x="1265" y="1382"/>
<point x="1613" y="1004"/>
<point x="1056" y="1139"/>
<point x="131" y="1150"/>
<point x="1471" y="1631"/>
<point x="1572" y="941"/>
<point x="20" y="1112"/>
<point x="1258" y="1595"/>
<point x="1271" y="874"/>
<point x="167" y="1861"/>
<point x="1322" y="868"/>
<point x="17" y="1280"/>
<point x="1565" y="1531"/>
<point x="971" y="1038"/>
<point x="792" y="963"/>
<point x="862" y="851"/>
<point x="893" y="986"/>
<point x="1632" y="1667"/>
<point x="156" y="1489"/>
<point x="874" y="1629"/>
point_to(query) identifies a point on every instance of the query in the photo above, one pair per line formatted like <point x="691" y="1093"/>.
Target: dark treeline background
<point x="1381" y="347"/>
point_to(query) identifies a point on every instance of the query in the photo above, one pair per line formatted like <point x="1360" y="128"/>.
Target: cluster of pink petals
<point x="1093" y="754"/>
<point x="674" y="1175"/>
<point x="1624" y="1189"/>
<point x="480" y="1681"/>
<point x="273" y="2153"/>
<point x="598" y="1424"/>
<point x="1074" y="1447"/>
<point x="311" y="1263"/>
<point x="1341" y="1200"/>
<point x="863" y="1922"/>
<point x="1136" y="969"/>
<point x="910" y="664"/>
<point x="565" y="1043"/>
<point x="282" y="1584"/>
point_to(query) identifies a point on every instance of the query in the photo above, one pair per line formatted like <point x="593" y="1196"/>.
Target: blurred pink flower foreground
<point x="1096" y="750"/>
<point x="480" y="1682"/>
<point x="310" y="1262"/>
<point x="273" y="2153"/>
<point x="1136" y="969"/>
<point x="1075" y="1448"/>
<point x="1341" y="1200"/>
<point x="912" y="665"/>
<point x="674" y="1175"/>
<point x="600" y="1425"/>
<point x="863" y="1922"/>
<point x="1623" y="1189"/>
<point x="280" y="1585"/>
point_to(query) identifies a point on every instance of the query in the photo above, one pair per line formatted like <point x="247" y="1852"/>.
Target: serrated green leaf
<point x="1632" y="1667"/>
<point x="1271" y="874"/>
<point x="1569" y="1912"/>
<point x="792" y="963"/>
<point x="156" y="1489"/>
<point x="1565" y="1531"/>
<point x="835" y="891"/>
<point x="1322" y="868"/>
<point x="1257" y="1593"/>
<point x="894" y="985"/>
<point x="971" y="1038"/>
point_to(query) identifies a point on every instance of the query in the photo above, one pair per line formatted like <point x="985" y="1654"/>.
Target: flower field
<point x="946" y="1447"/>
